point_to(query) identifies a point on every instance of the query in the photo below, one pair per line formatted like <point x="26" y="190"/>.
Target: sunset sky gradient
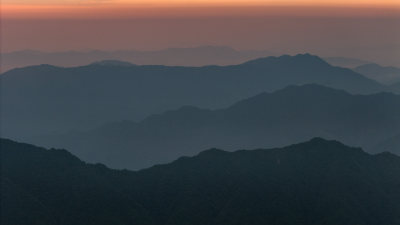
<point x="368" y="29"/>
<point x="73" y="9"/>
<point x="202" y="2"/>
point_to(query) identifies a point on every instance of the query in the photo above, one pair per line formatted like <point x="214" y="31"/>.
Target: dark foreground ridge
<point x="312" y="183"/>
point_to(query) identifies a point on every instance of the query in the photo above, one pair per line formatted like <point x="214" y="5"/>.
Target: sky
<point x="74" y="9"/>
<point x="208" y="2"/>
<point x="367" y="29"/>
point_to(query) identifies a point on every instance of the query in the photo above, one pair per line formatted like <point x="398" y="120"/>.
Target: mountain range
<point x="287" y="116"/>
<point x="194" y="56"/>
<point x="48" y="99"/>
<point x="311" y="183"/>
<point x="346" y="62"/>
<point x="197" y="56"/>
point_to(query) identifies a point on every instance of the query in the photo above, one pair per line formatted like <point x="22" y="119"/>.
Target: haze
<point x="368" y="30"/>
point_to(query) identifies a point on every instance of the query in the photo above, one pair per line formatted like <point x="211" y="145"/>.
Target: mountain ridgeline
<point x="197" y="56"/>
<point x="287" y="116"/>
<point x="54" y="99"/>
<point x="312" y="183"/>
<point x="385" y="75"/>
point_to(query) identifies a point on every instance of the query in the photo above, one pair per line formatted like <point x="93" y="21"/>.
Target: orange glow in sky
<point x="78" y="9"/>
<point x="354" y="28"/>
<point x="202" y="2"/>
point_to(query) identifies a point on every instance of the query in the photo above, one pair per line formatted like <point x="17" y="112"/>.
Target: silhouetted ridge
<point x="39" y="68"/>
<point x="112" y="63"/>
<point x="319" y="145"/>
<point x="194" y="56"/>
<point x="283" y="96"/>
<point x="14" y="151"/>
<point x="311" y="183"/>
<point x="300" y="60"/>
<point x="320" y="142"/>
<point x="81" y="98"/>
<point x="267" y="120"/>
<point x="213" y="152"/>
<point x="323" y="142"/>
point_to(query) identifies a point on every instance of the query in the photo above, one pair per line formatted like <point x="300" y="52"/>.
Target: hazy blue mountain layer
<point x="383" y="74"/>
<point x="197" y="56"/>
<point x="48" y="99"/>
<point x="345" y="62"/>
<point x="290" y="115"/>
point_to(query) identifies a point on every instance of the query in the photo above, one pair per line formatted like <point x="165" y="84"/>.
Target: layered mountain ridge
<point x="316" y="182"/>
<point x="55" y="100"/>
<point x="290" y="115"/>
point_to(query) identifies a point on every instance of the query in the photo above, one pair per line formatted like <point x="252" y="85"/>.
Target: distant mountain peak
<point x="112" y="63"/>
<point x="323" y="141"/>
<point x="307" y="57"/>
<point x="213" y="152"/>
<point x="300" y="59"/>
<point x="318" y="145"/>
<point x="318" y="141"/>
<point x="40" y="67"/>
